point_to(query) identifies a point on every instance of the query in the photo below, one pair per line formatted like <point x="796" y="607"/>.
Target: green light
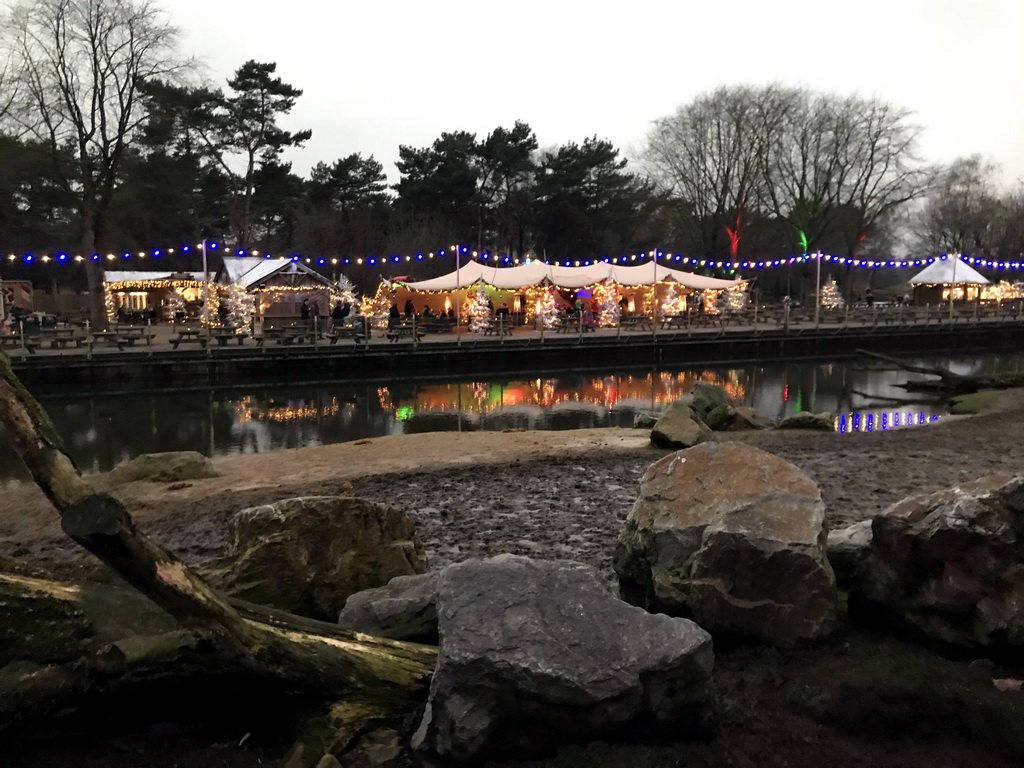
<point x="803" y="240"/>
<point x="404" y="413"/>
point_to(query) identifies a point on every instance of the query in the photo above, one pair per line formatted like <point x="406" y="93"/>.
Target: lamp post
<point x="817" y="290"/>
<point x="458" y="300"/>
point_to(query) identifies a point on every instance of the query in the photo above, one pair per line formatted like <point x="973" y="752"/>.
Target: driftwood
<point x="307" y="655"/>
<point x="949" y="383"/>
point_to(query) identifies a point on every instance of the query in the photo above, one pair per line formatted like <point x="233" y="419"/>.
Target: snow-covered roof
<point x="513" y="278"/>
<point x="138" y="276"/>
<point x="946" y="271"/>
<point x="253" y="270"/>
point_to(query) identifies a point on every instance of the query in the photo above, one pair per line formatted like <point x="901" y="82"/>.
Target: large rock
<point x="404" y="609"/>
<point x="307" y="555"/>
<point x="821" y="422"/>
<point x="170" y="467"/>
<point x="847" y="547"/>
<point x="949" y="566"/>
<point x="733" y="537"/>
<point x="733" y="418"/>
<point x="679" y="427"/>
<point x="707" y="397"/>
<point x="536" y="654"/>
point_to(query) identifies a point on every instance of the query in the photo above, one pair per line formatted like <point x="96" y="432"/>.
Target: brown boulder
<point x="949" y="566"/>
<point x="170" y="467"/>
<point x="679" y="427"/>
<point x="307" y="555"/>
<point x="733" y="537"/>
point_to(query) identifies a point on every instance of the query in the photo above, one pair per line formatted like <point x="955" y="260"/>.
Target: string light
<point x="694" y="262"/>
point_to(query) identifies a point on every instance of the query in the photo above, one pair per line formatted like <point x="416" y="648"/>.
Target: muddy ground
<point x="859" y="699"/>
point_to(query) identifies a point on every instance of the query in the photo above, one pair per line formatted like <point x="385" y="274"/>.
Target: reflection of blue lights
<point x="881" y="422"/>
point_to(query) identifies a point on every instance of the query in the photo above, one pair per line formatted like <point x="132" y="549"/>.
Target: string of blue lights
<point x="746" y="264"/>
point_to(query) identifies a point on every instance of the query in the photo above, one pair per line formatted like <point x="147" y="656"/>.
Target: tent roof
<point x="948" y="271"/>
<point x="524" y="275"/>
<point x="138" y="276"/>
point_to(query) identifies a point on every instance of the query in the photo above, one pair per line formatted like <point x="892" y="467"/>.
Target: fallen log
<point x="280" y="646"/>
<point x="949" y="383"/>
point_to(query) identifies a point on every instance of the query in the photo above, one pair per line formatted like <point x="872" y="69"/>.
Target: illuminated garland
<point x="240" y="305"/>
<point x="1004" y="290"/>
<point x="378" y="308"/>
<point x="735" y="299"/>
<point x="174" y="286"/>
<point x="659" y="256"/>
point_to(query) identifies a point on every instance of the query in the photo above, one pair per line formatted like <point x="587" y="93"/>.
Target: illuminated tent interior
<point x="946" y="278"/>
<point x="137" y="290"/>
<point x="509" y="282"/>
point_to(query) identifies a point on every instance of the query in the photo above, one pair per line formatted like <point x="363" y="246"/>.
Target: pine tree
<point x="831" y="296"/>
<point x="478" y="311"/>
<point x="542" y="301"/>
<point x="673" y="303"/>
<point x="735" y="299"/>
<point x="240" y="305"/>
<point x="606" y="294"/>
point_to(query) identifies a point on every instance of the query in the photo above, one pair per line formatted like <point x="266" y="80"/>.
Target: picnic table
<point x="134" y="333"/>
<point x="189" y="336"/>
<point x="18" y="340"/>
<point x="358" y="330"/>
<point x="403" y="329"/>
<point x="636" y="323"/>
<point x="498" y="327"/>
<point x="61" y="337"/>
<point x="224" y="336"/>
<point x="113" y="338"/>
<point x="286" y="334"/>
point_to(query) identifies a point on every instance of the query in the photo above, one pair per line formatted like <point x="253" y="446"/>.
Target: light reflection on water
<point x="100" y="431"/>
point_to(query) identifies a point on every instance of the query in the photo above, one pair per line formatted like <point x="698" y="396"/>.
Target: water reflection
<point x="103" y="430"/>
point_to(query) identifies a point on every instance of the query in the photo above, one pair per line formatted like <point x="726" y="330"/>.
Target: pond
<point x="102" y="430"/>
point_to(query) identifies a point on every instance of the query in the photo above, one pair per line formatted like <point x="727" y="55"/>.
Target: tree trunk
<point x="309" y="656"/>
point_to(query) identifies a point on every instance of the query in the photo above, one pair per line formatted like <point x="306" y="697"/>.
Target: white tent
<point x="948" y="271"/>
<point x="525" y="275"/>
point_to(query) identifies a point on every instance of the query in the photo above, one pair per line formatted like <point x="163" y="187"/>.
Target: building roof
<point x="141" y="276"/>
<point x="949" y="270"/>
<point x="250" y="271"/>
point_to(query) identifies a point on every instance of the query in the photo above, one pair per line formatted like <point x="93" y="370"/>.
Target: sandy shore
<point x="544" y="494"/>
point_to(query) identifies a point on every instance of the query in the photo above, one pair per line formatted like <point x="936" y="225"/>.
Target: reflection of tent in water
<point x="947" y="278"/>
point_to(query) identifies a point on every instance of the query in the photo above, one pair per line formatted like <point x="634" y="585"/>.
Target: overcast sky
<point x="379" y="74"/>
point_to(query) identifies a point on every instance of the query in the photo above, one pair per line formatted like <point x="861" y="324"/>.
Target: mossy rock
<point x="976" y="402"/>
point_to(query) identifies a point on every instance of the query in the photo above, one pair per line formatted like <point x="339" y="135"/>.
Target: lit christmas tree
<point x="673" y="303"/>
<point x="175" y="304"/>
<point x="735" y="299"/>
<point x="477" y="310"/>
<point x="542" y="302"/>
<point x="379" y="306"/>
<point x="710" y="299"/>
<point x="346" y="292"/>
<point x="606" y="295"/>
<point x="239" y="304"/>
<point x="831" y="298"/>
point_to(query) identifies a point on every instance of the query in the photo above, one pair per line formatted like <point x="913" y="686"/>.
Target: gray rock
<point x="168" y="467"/>
<point x="535" y="655"/>
<point x="706" y="397"/>
<point x="735" y="538"/>
<point x="949" y="566"/>
<point x="308" y="555"/>
<point x="645" y="420"/>
<point x="404" y="609"/>
<point x="679" y="427"/>
<point x="728" y="418"/>
<point x="822" y="422"/>
<point x="846" y="548"/>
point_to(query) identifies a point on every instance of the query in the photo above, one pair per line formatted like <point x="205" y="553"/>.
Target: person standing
<point x="304" y="309"/>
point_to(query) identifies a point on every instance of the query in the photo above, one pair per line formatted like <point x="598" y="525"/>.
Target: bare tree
<point x="960" y="215"/>
<point x="79" y="65"/>
<point x="705" y="157"/>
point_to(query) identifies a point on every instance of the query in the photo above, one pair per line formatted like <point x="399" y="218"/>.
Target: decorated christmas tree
<point x="673" y="303"/>
<point x="542" y="302"/>
<point x="379" y="306"/>
<point x="477" y="311"/>
<point x="175" y="305"/>
<point x="239" y="305"/>
<point x="606" y="296"/>
<point x="734" y="299"/>
<point x="831" y="297"/>
<point x="346" y="292"/>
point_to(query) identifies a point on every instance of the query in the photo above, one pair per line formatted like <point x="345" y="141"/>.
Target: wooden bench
<point x="61" y="337"/>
